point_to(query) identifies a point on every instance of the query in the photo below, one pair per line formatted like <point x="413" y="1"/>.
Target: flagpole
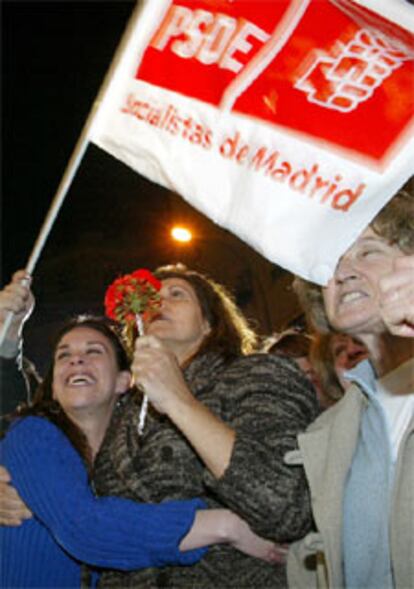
<point x="74" y="162"/>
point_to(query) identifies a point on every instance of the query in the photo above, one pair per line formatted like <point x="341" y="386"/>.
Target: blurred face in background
<point x="307" y="368"/>
<point x="346" y="354"/>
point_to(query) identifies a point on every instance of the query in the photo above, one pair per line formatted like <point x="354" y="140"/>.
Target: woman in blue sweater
<point x="49" y="452"/>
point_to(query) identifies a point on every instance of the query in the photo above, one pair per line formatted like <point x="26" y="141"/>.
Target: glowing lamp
<point x="181" y="234"/>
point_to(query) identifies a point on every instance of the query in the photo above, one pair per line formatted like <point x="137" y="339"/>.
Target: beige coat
<point x="326" y="450"/>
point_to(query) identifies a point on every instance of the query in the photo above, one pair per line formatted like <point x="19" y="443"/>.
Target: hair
<point x="290" y="343"/>
<point x="323" y="361"/>
<point x="394" y="223"/>
<point x="44" y="405"/>
<point x="230" y="333"/>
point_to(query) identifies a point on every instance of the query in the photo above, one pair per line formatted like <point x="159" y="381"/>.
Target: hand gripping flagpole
<point x="74" y="162"/>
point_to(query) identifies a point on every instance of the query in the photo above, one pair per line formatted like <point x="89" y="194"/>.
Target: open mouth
<point x="79" y="380"/>
<point x="350" y="297"/>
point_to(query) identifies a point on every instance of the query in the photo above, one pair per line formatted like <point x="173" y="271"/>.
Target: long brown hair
<point x="44" y="405"/>
<point x="230" y="333"/>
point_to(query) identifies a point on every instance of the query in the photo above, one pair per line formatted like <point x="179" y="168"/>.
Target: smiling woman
<point x="49" y="450"/>
<point x="358" y="455"/>
<point x="353" y="298"/>
<point x="88" y="374"/>
<point x="229" y="418"/>
<point x="87" y="382"/>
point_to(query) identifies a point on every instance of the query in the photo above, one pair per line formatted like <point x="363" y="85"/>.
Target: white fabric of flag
<point x="290" y="133"/>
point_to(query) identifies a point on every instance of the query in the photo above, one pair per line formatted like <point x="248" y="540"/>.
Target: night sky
<point x="55" y="55"/>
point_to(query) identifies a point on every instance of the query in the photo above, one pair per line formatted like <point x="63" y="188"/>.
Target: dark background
<point x="55" y="55"/>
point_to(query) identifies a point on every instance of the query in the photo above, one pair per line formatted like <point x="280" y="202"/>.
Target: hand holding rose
<point x="156" y="370"/>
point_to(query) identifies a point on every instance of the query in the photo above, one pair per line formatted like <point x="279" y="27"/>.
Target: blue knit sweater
<point x="71" y="525"/>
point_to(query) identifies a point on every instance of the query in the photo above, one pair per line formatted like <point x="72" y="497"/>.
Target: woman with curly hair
<point x="359" y="455"/>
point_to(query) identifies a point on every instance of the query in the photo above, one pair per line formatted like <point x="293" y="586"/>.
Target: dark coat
<point x="268" y="402"/>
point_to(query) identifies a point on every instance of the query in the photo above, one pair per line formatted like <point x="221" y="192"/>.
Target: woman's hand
<point x="244" y="539"/>
<point x="18" y="299"/>
<point x="397" y="297"/>
<point x="156" y="370"/>
<point x="222" y="526"/>
<point x="12" y="509"/>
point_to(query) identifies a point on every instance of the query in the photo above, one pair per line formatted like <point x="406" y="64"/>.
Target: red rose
<point x="131" y="295"/>
<point x="147" y="277"/>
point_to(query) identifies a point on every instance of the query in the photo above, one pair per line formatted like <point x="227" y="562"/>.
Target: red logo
<point x="326" y="69"/>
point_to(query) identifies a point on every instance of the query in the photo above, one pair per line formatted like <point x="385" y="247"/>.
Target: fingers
<point x="278" y="553"/>
<point x="148" y="342"/>
<point x="250" y="543"/>
<point x="16" y="297"/>
<point x="4" y="475"/>
<point x="397" y="297"/>
<point x="398" y="280"/>
<point x="143" y="353"/>
<point x="22" y="276"/>
<point x="12" y="509"/>
<point x="155" y="370"/>
<point x="149" y="355"/>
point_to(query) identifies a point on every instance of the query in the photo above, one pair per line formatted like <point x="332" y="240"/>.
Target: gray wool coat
<point x="268" y="402"/>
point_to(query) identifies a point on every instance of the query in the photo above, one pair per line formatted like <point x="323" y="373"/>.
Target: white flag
<point x="289" y="122"/>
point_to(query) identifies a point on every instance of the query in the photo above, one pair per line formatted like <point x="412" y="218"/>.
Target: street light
<point x="181" y="234"/>
<point x="260" y="287"/>
<point x="215" y="250"/>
